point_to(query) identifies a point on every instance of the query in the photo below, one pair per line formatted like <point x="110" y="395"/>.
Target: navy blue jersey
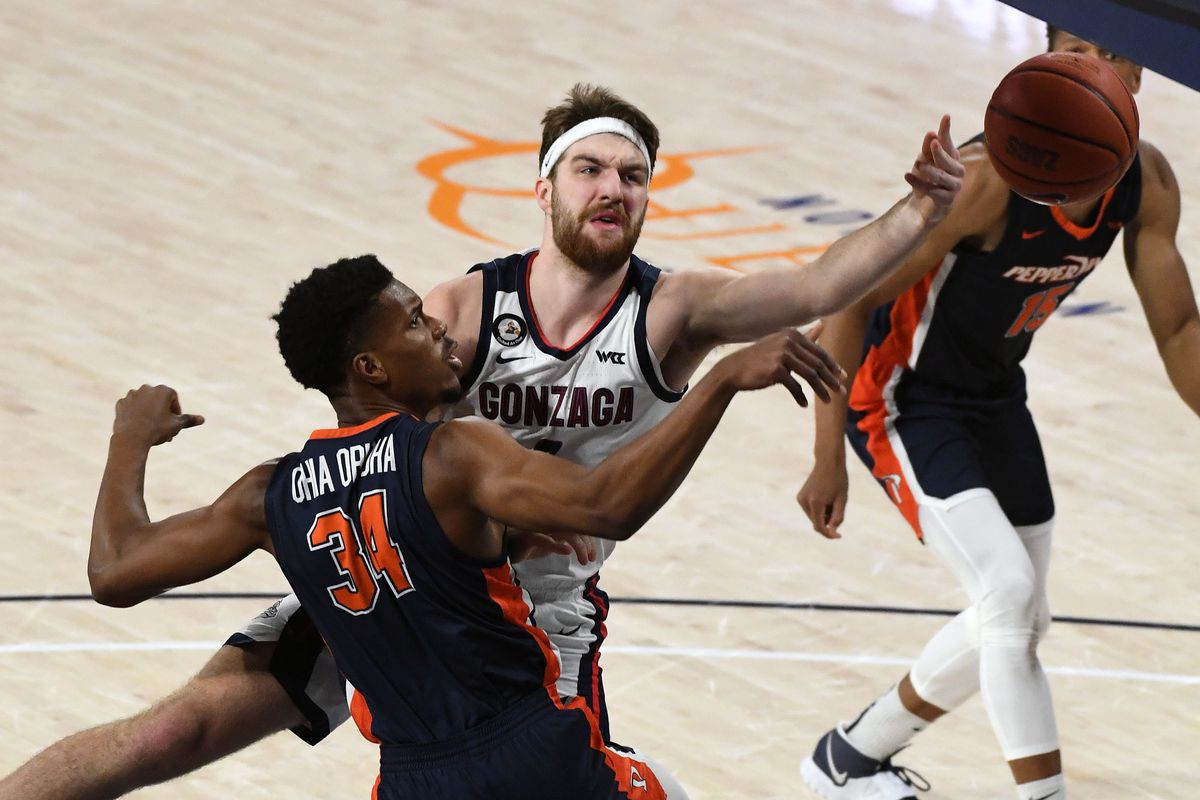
<point x="436" y="642"/>
<point x="965" y="327"/>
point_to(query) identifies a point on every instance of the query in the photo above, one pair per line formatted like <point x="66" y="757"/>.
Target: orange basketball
<point x="1061" y="127"/>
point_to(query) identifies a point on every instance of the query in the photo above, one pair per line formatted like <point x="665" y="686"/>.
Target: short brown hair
<point x="585" y="102"/>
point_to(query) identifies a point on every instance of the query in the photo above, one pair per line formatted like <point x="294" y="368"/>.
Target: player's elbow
<point x="615" y="521"/>
<point x="108" y="589"/>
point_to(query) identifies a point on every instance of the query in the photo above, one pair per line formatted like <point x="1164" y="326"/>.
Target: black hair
<point x="323" y="318"/>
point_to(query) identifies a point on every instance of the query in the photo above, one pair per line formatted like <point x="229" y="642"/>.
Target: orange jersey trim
<point x="509" y="597"/>
<point x="1078" y="231"/>
<point x="360" y="712"/>
<point x="340" y="433"/>
<point x="871" y="382"/>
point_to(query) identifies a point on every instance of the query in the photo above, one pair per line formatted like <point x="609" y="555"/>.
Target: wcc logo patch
<point x="509" y="330"/>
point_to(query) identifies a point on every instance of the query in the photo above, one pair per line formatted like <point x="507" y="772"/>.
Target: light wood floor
<point x="166" y="169"/>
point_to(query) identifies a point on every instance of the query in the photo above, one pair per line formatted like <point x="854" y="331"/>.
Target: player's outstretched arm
<point x="1160" y="276"/>
<point x="474" y="469"/>
<point x="720" y="308"/>
<point x="133" y="558"/>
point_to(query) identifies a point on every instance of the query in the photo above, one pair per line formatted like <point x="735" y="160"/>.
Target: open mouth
<point x="608" y="220"/>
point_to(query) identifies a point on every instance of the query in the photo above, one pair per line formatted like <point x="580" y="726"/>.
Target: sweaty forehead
<point x="607" y="148"/>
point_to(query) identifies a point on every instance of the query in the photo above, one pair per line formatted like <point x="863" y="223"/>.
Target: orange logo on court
<point x="447" y="202"/>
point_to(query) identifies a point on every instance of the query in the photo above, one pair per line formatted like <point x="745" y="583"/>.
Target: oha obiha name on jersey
<point x="556" y="406"/>
<point x="312" y="477"/>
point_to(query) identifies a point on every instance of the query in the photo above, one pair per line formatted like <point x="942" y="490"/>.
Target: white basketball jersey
<point x="580" y="402"/>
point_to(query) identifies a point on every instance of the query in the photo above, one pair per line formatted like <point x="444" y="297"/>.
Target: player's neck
<point x="353" y="411"/>
<point x="1081" y="213"/>
<point x="566" y="297"/>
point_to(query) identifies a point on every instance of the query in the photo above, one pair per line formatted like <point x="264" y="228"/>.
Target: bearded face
<point x="598" y="238"/>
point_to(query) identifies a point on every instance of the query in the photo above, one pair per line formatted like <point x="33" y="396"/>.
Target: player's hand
<point x="151" y="415"/>
<point x="937" y="174"/>
<point x="781" y="358"/>
<point x="823" y="497"/>
<point x="523" y="545"/>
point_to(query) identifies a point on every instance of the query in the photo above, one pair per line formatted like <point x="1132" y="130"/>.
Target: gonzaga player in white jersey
<point x="581" y="401"/>
<point x="608" y="339"/>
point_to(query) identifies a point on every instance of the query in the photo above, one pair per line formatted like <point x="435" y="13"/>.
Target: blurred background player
<point x="938" y="413"/>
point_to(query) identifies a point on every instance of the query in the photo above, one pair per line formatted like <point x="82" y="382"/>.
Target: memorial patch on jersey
<point x="509" y="330"/>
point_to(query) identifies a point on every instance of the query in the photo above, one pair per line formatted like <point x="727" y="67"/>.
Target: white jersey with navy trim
<point x="580" y="402"/>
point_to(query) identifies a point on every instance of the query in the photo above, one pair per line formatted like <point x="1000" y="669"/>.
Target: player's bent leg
<point x="946" y="673"/>
<point x="233" y="702"/>
<point x="989" y="558"/>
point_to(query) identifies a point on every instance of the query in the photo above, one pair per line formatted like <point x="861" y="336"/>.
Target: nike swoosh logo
<point x="839" y="778"/>
<point x="1031" y="234"/>
<point x="1047" y="796"/>
<point x="502" y="360"/>
<point x="572" y="631"/>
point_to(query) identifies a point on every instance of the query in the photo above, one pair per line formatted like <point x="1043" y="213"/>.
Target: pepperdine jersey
<point x="580" y="402"/>
<point x="965" y="327"/>
<point x="435" y="642"/>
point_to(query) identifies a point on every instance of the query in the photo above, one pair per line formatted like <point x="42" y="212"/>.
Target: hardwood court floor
<point x="169" y="168"/>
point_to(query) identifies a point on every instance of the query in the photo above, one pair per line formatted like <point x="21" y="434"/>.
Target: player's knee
<point x="1010" y="602"/>
<point x="1042" y="618"/>
<point x="168" y="733"/>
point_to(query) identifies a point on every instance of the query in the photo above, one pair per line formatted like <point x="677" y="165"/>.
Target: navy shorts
<point x="535" y="749"/>
<point x="933" y="445"/>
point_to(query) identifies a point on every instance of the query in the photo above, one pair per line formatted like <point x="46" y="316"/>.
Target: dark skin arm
<point x="1161" y="279"/>
<point x="133" y="558"/>
<point x="474" y="471"/>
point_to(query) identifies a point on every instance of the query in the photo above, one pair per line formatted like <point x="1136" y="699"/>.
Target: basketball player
<point x="575" y="348"/>
<point x="938" y="413"/>
<point x="381" y="526"/>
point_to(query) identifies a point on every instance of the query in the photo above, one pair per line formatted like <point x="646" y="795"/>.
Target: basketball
<point x="1061" y="127"/>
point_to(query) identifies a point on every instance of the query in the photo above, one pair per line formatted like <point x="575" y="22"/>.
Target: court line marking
<point x="845" y="659"/>
<point x="782" y="605"/>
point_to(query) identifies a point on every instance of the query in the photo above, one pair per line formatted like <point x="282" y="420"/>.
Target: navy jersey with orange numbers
<point x="966" y="326"/>
<point x="435" y="642"/>
<point x="938" y="409"/>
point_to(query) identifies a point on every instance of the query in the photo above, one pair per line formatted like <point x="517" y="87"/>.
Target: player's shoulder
<point x="692" y="282"/>
<point x="1155" y="167"/>
<point x="981" y="183"/>
<point x="462" y="437"/>
<point x="469" y="284"/>
<point x="449" y="300"/>
<point x="244" y="501"/>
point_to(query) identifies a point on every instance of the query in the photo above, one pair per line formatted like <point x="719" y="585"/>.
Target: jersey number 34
<point x="364" y="554"/>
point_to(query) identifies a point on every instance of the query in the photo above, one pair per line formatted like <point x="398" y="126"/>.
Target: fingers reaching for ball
<point x="938" y="172"/>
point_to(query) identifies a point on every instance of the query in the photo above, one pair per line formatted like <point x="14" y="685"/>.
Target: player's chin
<point x="452" y="392"/>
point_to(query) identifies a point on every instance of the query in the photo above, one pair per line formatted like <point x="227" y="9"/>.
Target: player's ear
<point x="1136" y="79"/>
<point x="543" y="190"/>
<point x="368" y="368"/>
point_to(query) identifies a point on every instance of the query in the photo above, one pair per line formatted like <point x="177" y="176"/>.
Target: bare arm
<point x="1161" y="279"/>
<point x="979" y="211"/>
<point x="725" y="309"/>
<point x="474" y="470"/>
<point x="133" y="558"/>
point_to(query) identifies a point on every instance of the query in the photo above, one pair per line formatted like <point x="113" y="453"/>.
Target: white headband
<point x="590" y="127"/>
